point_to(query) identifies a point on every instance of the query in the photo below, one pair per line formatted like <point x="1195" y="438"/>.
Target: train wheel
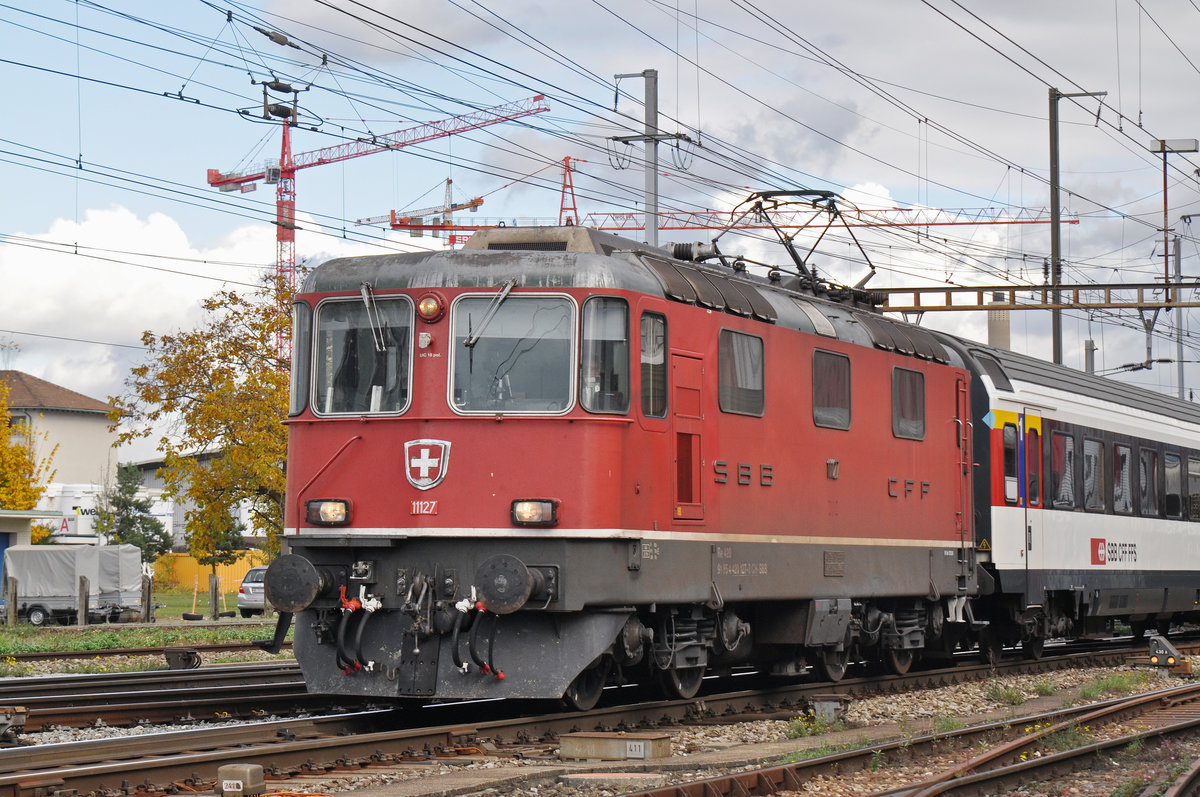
<point x="584" y="692"/>
<point x="681" y="684"/>
<point x="898" y="661"/>
<point x="1032" y="647"/>
<point x="831" y="664"/>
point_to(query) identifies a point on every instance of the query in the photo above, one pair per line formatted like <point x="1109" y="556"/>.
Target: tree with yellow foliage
<point x="217" y="397"/>
<point x="23" y="474"/>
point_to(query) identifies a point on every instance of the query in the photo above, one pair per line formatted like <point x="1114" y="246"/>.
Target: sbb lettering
<point x="744" y="472"/>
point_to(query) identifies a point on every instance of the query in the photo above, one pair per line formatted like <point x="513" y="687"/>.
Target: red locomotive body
<point x="558" y="455"/>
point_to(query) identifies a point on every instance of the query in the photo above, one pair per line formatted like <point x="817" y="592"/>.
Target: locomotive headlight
<point x="535" y="512"/>
<point x="430" y="307"/>
<point x="327" y="512"/>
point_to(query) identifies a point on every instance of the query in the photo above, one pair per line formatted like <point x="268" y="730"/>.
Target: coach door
<point x="1031" y="496"/>
<point x="687" y="373"/>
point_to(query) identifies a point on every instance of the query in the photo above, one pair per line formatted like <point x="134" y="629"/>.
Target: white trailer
<point x="48" y="583"/>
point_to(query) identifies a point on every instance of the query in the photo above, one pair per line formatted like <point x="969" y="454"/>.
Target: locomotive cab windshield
<point x="521" y="361"/>
<point x="362" y="358"/>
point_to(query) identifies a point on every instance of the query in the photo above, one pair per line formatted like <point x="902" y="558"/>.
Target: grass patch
<point x="1044" y="688"/>
<point x="942" y="724"/>
<point x="811" y="725"/>
<point x="1117" y="684"/>
<point x="1069" y="738"/>
<point x="1132" y="788"/>
<point x="1008" y="695"/>
<point x="25" y="638"/>
<point x="807" y="755"/>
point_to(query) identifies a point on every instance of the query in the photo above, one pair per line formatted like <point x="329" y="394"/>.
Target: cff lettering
<point x="1106" y="552"/>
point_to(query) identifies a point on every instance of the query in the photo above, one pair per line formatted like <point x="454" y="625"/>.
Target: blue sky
<point x="936" y="103"/>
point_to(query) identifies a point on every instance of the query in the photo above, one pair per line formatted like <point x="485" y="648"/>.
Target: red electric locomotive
<point x="558" y="457"/>
<point x="518" y="468"/>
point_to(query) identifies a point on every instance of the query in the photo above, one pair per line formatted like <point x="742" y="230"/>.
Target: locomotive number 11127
<point x="424" y="508"/>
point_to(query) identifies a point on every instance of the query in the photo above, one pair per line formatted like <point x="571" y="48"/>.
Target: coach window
<point x="512" y="353"/>
<point x="604" y="369"/>
<point x="362" y="358"/>
<point x="1149" y="483"/>
<point x="908" y="404"/>
<point x="740" y="373"/>
<point x="831" y="390"/>
<point x="1173" y="485"/>
<point x="1122" y="497"/>
<point x="654" y="365"/>
<point x="1033" y="467"/>
<point x="1093" y="475"/>
<point x="301" y="356"/>
<point x="1062" y="470"/>
<point x="1193" y="502"/>
<point x="1010" y="463"/>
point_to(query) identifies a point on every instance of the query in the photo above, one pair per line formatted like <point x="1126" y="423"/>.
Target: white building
<point x="75" y="428"/>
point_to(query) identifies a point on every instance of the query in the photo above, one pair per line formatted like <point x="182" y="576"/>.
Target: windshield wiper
<point x="373" y="317"/>
<point x="497" y="300"/>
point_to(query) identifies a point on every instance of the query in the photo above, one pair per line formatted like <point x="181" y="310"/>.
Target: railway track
<point x="199" y="650"/>
<point x="390" y="739"/>
<point x="256" y="690"/>
<point x="167" y="696"/>
<point x="1015" y="754"/>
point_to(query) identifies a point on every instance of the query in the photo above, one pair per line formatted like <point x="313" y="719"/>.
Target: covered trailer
<point x="121" y="576"/>
<point x="48" y="581"/>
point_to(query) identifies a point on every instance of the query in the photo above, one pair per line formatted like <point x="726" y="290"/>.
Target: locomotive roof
<point x="579" y="257"/>
<point x="573" y="257"/>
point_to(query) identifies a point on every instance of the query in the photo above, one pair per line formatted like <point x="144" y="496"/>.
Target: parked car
<point x="251" y="600"/>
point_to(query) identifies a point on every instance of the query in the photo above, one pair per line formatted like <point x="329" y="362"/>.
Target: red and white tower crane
<point x="442" y="216"/>
<point x="284" y="174"/>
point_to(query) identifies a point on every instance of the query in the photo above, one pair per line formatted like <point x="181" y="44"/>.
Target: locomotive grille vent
<point x="532" y="246"/>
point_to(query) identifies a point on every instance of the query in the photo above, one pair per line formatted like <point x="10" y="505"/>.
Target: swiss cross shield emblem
<point x="425" y="462"/>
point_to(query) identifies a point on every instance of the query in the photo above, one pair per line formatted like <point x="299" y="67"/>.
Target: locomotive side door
<point x="687" y="378"/>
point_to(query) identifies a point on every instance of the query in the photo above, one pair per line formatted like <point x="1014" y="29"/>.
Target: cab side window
<point x="831" y="390"/>
<point x="604" y="369"/>
<point x="908" y="404"/>
<point x="654" y="365"/>
<point x="740" y="373"/>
